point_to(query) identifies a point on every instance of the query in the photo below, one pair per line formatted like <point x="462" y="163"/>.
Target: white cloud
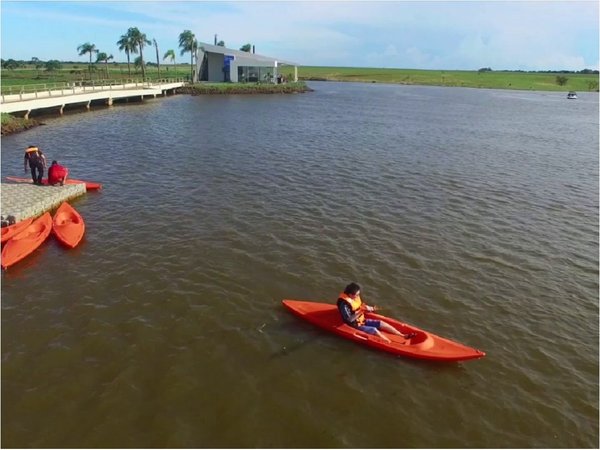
<point x="426" y="34"/>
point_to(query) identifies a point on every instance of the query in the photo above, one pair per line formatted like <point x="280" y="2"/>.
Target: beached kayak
<point x="14" y="229"/>
<point x="89" y="185"/>
<point x="422" y="345"/>
<point x="25" y="242"/>
<point x="68" y="225"/>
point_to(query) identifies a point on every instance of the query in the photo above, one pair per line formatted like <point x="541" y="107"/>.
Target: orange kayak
<point x="68" y="225"/>
<point x="16" y="228"/>
<point x="89" y="185"/>
<point x="423" y="345"/>
<point x="25" y="242"/>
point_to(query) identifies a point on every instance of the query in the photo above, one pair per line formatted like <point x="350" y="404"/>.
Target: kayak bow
<point x="68" y="225"/>
<point x="14" y="229"/>
<point x="24" y="243"/>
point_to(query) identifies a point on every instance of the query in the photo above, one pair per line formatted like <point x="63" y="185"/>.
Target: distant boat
<point x="572" y="95"/>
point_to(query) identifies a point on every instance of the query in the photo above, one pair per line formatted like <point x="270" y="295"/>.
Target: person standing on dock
<point x="57" y="174"/>
<point x="37" y="163"/>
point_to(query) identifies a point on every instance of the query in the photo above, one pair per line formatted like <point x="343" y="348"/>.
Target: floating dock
<point x="28" y="200"/>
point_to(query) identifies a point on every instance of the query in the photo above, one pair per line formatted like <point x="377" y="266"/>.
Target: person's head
<point x="54" y="162"/>
<point x="352" y="289"/>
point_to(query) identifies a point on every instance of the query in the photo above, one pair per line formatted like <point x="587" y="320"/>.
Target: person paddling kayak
<point x="352" y="309"/>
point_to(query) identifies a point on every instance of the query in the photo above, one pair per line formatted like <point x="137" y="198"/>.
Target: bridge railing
<point x="44" y="90"/>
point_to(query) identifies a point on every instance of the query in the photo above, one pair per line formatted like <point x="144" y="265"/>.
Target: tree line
<point x="584" y="71"/>
<point x="561" y="79"/>
<point x="50" y="65"/>
<point x="132" y="42"/>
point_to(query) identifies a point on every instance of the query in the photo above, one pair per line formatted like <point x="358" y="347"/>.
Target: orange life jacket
<point x="356" y="306"/>
<point x="33" y="155"/>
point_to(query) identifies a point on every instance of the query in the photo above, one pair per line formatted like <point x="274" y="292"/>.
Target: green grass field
<point x="29" y="75"/>
<point x="491" y="80"/>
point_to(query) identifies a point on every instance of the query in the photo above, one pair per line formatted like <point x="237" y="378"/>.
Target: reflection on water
<point x="470" y="213"/>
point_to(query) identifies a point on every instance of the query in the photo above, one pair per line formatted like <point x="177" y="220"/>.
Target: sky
<point x="437" y="35"/>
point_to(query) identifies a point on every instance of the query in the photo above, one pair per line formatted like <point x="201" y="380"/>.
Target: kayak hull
<point x="423" y="345"/>
<point x="68" y="225"/>
<point x="25" y="242"/>
<point x="14" y="229"/>
<point x="89" y="185"/>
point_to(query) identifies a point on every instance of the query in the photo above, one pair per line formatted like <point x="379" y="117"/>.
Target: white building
<point x="220" y="64"/>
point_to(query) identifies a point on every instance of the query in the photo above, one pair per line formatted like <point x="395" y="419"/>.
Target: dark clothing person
<point x="37" y="163"/>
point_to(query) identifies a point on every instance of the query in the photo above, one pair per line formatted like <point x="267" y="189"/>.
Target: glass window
<point x="255" y="74"/>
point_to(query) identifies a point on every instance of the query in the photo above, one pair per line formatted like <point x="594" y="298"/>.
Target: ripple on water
<point x="468" y="213"/>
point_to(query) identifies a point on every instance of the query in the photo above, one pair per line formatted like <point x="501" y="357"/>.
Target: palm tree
<point x="138" y="62"/>
<point x="188" y="43"/>
<point x="103" y="57"/>
<point x="157" y="60"/>
<point x="133" y="44"/>
<point x="171" y="55"/>
<point x="125" y="45"/>
<point x="87" y="48"/>
<point x="38" y="64"/>
<point x="139" y="40"/>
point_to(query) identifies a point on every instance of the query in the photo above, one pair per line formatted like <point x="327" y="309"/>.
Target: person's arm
<point x="43" y="159"/>
<point x="369" y="308"/>
<point x="346" y="312"/>
<point x="25" y="163"/>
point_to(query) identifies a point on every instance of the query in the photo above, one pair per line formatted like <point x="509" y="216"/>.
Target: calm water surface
<point x="470" y="213"/>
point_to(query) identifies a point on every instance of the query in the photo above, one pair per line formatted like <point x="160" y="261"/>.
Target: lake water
<point x="469" y="213"/>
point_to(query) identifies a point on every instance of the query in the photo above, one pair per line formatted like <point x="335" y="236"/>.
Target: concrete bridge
<point x="26" y="100"/>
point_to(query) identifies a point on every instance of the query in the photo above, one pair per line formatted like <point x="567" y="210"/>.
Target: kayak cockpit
<point x="422" y="341"/>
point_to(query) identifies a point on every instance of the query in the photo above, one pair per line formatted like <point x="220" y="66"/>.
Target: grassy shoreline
<point x="12" y="124"/>
<point x="535" y="81"/>
<point x="244" y="88"/>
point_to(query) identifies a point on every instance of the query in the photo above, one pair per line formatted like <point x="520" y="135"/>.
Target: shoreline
<point x="244" y="88"/>
<point x="12" y="124"/>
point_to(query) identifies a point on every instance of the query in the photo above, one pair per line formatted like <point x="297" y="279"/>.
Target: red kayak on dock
<point x="25" y="242"/>
<point x="423" y="345"/>
<point x="14" y="229"/>
<point x="89" y="185"/>
<point x="68" y="225"/>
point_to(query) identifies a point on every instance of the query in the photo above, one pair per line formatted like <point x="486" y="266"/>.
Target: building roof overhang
<point x="249" y="58"/>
